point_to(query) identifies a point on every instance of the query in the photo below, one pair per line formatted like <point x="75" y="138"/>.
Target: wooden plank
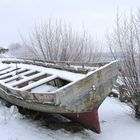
<point x="38" y="83"/>
<point x="12" y="72"/>
<point x="27" y="79"/>
<point x="19" y="75"/>
<point x="7" y="70"/>
<point x="4" y="68"/>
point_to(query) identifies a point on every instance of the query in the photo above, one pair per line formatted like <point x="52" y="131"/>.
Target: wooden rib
<point x="8" y="70"/>
<point x="19" y="75"/>
<point x="38" y="83"/>
<point x="4" y="68"/>
<point x="27" y="79"/>
<point x="12" y="72"/>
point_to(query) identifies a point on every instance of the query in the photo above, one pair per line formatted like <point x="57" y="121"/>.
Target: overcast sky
<point x="95" y="15"/>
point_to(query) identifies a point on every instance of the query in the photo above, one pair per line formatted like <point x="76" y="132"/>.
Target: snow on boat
<point x="71" y="89"/>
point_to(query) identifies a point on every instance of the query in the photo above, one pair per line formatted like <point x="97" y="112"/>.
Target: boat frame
<point x="79" y="100"/>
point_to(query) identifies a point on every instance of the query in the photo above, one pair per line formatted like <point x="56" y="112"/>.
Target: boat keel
<point x="88" y="119"/>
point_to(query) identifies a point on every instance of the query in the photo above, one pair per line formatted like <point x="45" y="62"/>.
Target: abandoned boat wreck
<point x="70" y="89"/>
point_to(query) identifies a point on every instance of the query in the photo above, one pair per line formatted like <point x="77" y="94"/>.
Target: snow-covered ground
<point x="117" y="123"/>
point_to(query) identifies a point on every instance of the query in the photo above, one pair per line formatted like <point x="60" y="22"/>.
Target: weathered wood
<point x="62" y="65"/>
<point x="76" y="96"/>
<point x="81" y="96"/>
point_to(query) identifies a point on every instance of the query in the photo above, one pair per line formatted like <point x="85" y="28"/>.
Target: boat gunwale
<point x="70" y="84"/>
<point x="62" y="90"/>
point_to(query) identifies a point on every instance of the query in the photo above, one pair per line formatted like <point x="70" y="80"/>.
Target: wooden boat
<point x="71" y="89"/>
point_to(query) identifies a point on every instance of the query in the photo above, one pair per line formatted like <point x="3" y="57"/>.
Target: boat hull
<point x="78" y="100"/>
<point x="88" y="119"/>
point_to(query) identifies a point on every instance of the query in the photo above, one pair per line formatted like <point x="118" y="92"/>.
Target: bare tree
<point x="56" y="41"/>
<point x="125" y="39"/>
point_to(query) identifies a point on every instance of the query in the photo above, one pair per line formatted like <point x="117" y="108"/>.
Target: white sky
<point x="95" y="15"/>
